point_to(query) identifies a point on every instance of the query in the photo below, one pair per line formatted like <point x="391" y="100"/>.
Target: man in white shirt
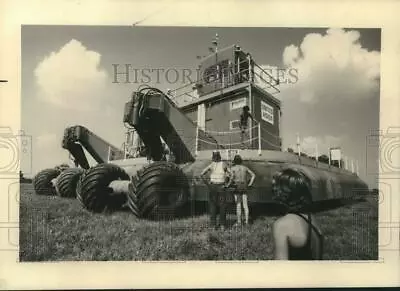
<point x="218" y="173"/>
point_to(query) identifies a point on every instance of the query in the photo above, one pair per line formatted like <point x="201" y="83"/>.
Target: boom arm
<point x="76" y="137"/>
<point x="154" y="115"/>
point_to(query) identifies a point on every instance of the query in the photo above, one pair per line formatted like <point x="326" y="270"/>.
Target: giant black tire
<point x="160" y="191"/>
<point x="42" y="182"/>
<point x="93" y="189"/>
<point x="66" y="182"/>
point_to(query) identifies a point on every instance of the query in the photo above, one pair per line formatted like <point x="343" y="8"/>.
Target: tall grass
<point x="56" y="229"/>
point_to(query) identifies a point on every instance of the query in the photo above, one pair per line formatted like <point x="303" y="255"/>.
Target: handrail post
<point x="259" y="138"/>
<point x="109" y="153"/>
<point x="238" y="70"/>
<point x="249" y="65"/>
<point x="197" y="140"/>
<point x="357" y="167"/>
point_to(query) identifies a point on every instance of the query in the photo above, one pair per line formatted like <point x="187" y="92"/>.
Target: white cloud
<point x="333" y="66"/>
<point x="290" y="54"/>
<point x="71" y="77"/>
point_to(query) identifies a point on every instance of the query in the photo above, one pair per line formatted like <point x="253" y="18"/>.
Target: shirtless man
<point x="238" y="178"/>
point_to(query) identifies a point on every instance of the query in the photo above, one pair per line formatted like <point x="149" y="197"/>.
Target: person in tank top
<point x="217" y="199"/>
<point x="296" y="234"/>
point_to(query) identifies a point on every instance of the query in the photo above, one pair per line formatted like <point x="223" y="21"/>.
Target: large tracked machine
<point x="141" y="177"/>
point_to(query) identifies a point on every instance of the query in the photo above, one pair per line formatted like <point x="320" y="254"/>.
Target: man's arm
<point x="206" y="169"/>
<point x="230" y="177"/>
<point x="251" y="116"/>
<point x="225" y="166"/>
<point x="280" y="241"/>
<point x="253" y="176"/>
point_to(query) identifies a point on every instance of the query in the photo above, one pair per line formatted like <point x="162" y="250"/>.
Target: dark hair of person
<point x="237" y="160"/>
<point x="216" y="156"/>
<point x="292" y="189"/>
<point x="246" y="108"/>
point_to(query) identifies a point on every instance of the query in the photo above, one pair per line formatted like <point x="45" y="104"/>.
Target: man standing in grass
<point x="218" y="172"/>
<point x="238" y="178"/>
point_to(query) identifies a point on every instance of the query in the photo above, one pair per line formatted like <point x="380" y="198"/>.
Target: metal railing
<point x="344" y="162"/>
<point x="226" y="77"/>
<point x="268" y="84"/>
<point x="236" y="139"/>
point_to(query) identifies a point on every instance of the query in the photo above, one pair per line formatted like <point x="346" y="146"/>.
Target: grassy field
<point x="56" y="229"/>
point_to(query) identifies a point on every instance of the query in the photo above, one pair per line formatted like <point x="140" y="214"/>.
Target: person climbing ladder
<point x="244" y="117"/>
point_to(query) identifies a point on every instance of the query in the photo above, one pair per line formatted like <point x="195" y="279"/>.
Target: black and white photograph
<point x="199" y="143"/>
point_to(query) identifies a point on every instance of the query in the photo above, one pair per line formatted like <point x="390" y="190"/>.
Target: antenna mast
<point x="215" y="42"/>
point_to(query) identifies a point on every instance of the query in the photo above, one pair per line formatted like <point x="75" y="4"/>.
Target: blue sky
<point x="67" y="79"/>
